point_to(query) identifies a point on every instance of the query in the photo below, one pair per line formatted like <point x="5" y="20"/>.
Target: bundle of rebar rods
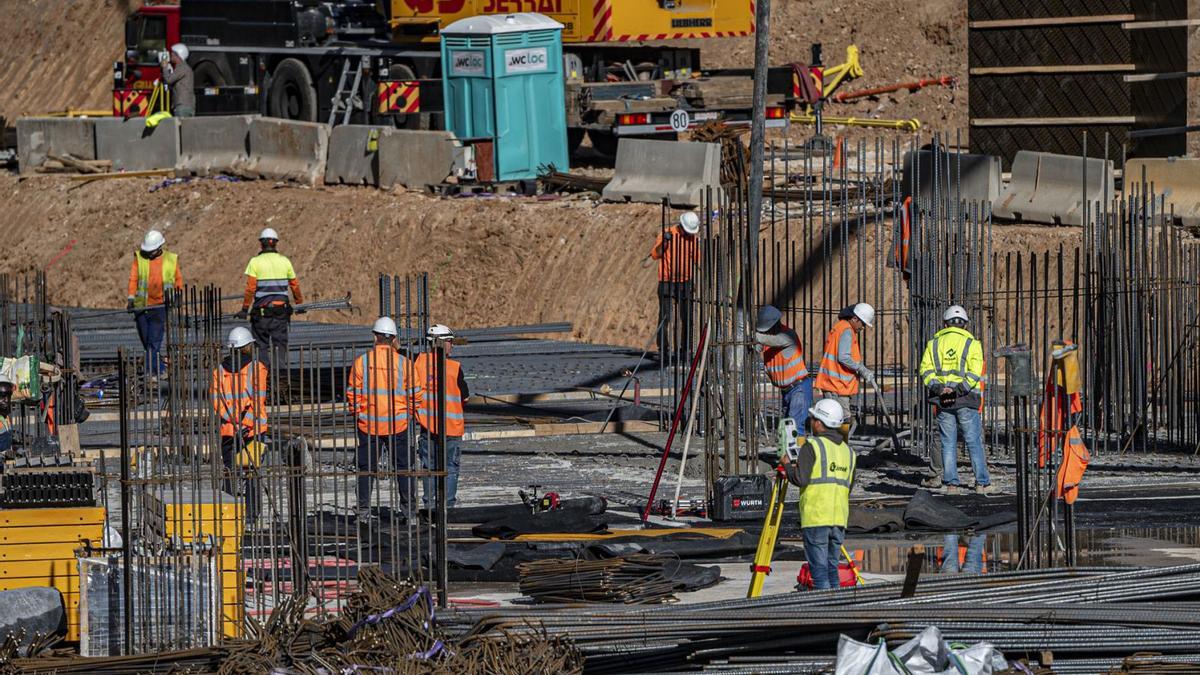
<point x="633" y="579"/>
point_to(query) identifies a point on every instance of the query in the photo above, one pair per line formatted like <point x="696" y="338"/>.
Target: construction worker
<point x="178" y="75"/>
<point x="842" y="363"/>
<point x="6" y="391"/>
<point x="952" y="370"/>
<point x="968" y="558"/>
<point x="823" y="471"/>
<point x="239" y="396"/>
<point x="783" y="358"/>
<point x="269" y="277"/>
<point x="382" y="393"/>
<point x="153" y="271"/>
<point x="677" y="252"/>
<point x="457" y="394"/>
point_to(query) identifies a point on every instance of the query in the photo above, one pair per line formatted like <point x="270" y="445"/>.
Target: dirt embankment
<point x="58" y="54"/>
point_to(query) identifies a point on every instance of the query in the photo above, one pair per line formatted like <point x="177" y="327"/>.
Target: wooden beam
<point x="1052" y="21"/>
<point x="1172" y="23"/>
<point x="1053" y="121"/>
<point x="1056" y="70"/>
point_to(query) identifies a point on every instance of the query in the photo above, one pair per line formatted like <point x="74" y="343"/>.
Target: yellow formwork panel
<point x="189" y="519"/>
<point x="50" y="551"/>
<point x="78" y="515"/>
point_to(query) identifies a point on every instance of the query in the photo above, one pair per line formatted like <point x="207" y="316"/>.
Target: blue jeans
<point x="972" y="427"/>
<point x="796" y="402"/>
<point x="823" y="548"/>
<point x="425" y="446"/>
<point x="151" y="325"/>
<point x="367" y="461"/>
<point x="5" y="440"/>
<point x="973" y="560"/>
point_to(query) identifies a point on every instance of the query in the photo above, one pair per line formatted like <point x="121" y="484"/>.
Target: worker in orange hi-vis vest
<point x="841" y="361"/>
<point x="783" y="358"/>
<point x="382" y="393"/>
<point x="238" y="389"/>
<point x="457" y="394"/>
<point x="677" y="251"/>
<point x="152" y="275"/>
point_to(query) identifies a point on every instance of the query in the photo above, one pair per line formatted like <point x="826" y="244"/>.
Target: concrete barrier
<point x="415" y="159"/>
<point x="287" y="150"/>
<point x="960" y="176"/>
<point x="1048" y="188"/>
<point x="38" y="137"/>
<point x="214" y="145"/>
<point x="1175" y="180"/>
<point x="351" y="160"/>
<point x="132" y="146"/>
<point x="648" y="171"/>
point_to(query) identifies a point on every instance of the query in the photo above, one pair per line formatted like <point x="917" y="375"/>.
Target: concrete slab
<point x="38" y="137"/>
<point x="959" y="176"/>
<point x="415" y="159"/>
<point x="287" y="150"/>
<point x="649" y="171"/>
<point x="1053" y="189"/>
<point x="214" y="145"/>
<point x="1175" y="180"/>
<point x="132" y="146"/>
<point x="29" y="612"/>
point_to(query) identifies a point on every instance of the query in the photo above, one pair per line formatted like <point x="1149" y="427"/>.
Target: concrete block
<point x="132" y="146"/>
<point x="648" y="171"/>
<point x="1175" y="180"/>
<point x="31" y="611"/>
<point x="287" y="150"/>
<point x="1048" y="188"/>
<point x="214" y="145"/>
<point x="38" y="137"/>
<point x="350" y="160"/>
<point x="959" y="176"/>
<point x="415" y="159"/>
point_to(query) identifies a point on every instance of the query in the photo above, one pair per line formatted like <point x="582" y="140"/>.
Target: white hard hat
<point x="239" y="337"/>
<point x="865" y="313"/>
<point x="955" y="312"/>
<point x="690" y="222"/>
<point x="153" y="241"/>
<point x="180" y="50"/>
<point x="829" y="411"/>
<point x="439" y="332"/>
<point x="5" y="378"/>
<point x="269" y="233"/>
<point x="384" y="326"/>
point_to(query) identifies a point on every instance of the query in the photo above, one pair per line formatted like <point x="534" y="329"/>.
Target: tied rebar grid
<point x="215" y="539"/>
<point x="29" y="327"/>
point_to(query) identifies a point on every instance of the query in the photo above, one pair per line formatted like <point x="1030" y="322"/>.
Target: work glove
<point x="242" y="314"/>
<point x="868" y="377"/>
<point x="129" y="305"/>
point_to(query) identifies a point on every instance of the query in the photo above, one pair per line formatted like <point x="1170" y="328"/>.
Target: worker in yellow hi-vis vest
<point x="153" y="273"/>
<point x="824" y="472"/>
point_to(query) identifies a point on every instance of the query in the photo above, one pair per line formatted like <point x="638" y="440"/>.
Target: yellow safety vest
<point x="825" y="501"/>
<point x="949" y="359"/>
<point x="272" y="271"/>
<point x="170" y="260"/>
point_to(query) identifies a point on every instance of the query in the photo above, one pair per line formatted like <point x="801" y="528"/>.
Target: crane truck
<point x="628" y="70"/>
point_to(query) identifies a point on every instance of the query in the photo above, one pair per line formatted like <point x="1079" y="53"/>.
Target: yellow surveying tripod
<point x="790" y="441"/>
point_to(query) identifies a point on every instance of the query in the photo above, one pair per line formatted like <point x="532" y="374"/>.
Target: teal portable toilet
<point x="504" y="94"/>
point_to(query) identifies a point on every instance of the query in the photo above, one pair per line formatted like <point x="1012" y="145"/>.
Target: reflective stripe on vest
<point x="237" y="399"/>
<point x="169" y="263"/>
<point x="426" y="367"/>
<point x="832" y="376"/>
<point x="825" y="501"/>
<point x="952" y="375"/>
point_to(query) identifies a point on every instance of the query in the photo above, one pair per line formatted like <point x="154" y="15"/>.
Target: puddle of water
<point x="973" y="553"/>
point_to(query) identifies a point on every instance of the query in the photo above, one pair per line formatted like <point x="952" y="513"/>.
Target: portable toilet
<point x="504" y="94"/>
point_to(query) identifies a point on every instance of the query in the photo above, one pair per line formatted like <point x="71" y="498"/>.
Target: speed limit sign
<point x="680" y="120"/>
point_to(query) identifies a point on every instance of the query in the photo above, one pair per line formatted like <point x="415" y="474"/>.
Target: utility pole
<point x="762" y="36"/>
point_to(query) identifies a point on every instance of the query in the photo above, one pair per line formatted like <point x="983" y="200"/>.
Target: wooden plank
<point x="124" y="174"/>
<point x="1050" y="121"/>
<point x="1051" y="21"/>
<point x="1055" y="70"/>
<point x="1150" y="25"/>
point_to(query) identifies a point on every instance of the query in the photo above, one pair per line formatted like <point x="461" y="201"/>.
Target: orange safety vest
<point x="903" y="238"/>
<point x="426" y="366"/>
<point x="677" y="258"/>
<point x="785" y="365"/>
<point x="1074" y="463"/>
<point x="381" y="391"/>
<point x="833" y="377"/>
<point x="240" y="399"/>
